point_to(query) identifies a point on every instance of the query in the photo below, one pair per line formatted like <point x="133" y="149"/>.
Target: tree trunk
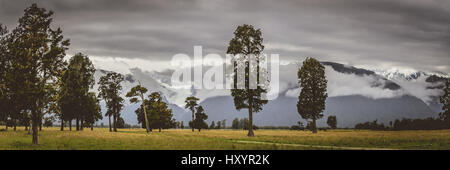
<point x="77" y="124"/>
<point x="192" y="120"/>
<point x="115" y="123"/>
<point x="198" y="129"/>
<point x="81" y="125"/>
<point x="145" y="112"/>
<point x="6" y="125"/>
<point x="62" y="124"/>
<point x="70" y="125"/>
<point x="250" y="119"/>
<point x="14" y="124"/>
<point x="34" y="127"/>
<point x="26" y="128"/>
<point x="314" y="128"/>
<point x="92" y="126"/>
<point x="40" y="125"/>
<point x="110" y="123"/>
<point x="159" y="129"/>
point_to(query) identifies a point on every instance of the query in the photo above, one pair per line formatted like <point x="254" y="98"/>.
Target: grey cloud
<point x="407" y="33"/>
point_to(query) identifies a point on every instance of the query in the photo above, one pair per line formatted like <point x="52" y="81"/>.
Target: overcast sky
<point x="373" y="33"/>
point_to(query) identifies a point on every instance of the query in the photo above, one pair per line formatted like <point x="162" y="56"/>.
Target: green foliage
<point x="445" y="100"/>
<point x="247" y="42"/>
<point x="4" y="69"/>
<point x="48" y="121"/>
<point x="332" y="122"/>
<point x="75" y="101"/>
<point x="299" y="126"/>
<point x="241" y="124"/>
<point x="38" y="52"/>
<point x="213" y="125"/>
<point x="134" y="93"/>
<point x="158" y="113"/>
<point x="200" y="117"/>
<point x="191" y="103"/>
<point x="120" y="122"/>
<point x="420" y="124"/>
<point x="311" y="101"/>
<point x="371" y="126"/>
<point x="92" y="111"/>
<point x="109" y="90"/>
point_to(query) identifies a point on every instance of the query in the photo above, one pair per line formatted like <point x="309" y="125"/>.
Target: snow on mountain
<point x="355" y="95"/>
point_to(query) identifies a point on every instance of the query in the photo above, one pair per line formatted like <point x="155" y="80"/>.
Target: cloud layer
<point x="380" y="33"/>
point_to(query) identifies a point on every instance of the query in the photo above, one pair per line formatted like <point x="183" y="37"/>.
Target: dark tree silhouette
<point x="109" y="90"/>
<point x="38" y="52"/>
<point x="332" y="122"/>
<point x="311" y="101"/>
<point x="445" y="100"/>
<point x="200" y="117"/>
<point x="158" y="113"/>
<point x="247" y="42"/>
<point x="77" y="79"/>
<point x="191" y="103"/>
<point x="139" y="91"/>
<point x="213" y="125"/>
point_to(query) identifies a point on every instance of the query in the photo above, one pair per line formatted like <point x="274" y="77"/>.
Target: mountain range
<point x="355" y="95"/>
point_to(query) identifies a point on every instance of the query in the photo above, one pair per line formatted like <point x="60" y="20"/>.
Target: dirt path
<point x="314" y="146"/>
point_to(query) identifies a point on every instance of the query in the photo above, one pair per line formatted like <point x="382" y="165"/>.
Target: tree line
<point x="36" y="81"/>
<point x="37" y="85"/>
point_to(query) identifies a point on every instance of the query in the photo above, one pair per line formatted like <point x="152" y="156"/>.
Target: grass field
<point x="175" y="139"/>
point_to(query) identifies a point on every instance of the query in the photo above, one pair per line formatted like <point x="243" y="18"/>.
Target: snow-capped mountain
<point x="355" y="95"/>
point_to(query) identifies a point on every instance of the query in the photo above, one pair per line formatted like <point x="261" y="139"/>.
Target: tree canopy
<point x="313" y="84"/>
<point x="247" y="43"/>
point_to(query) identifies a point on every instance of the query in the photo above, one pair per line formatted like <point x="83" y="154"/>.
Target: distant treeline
<point x="407" y="124"/>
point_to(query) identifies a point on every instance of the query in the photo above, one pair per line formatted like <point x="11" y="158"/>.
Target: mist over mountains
<point x="355" y="95"/>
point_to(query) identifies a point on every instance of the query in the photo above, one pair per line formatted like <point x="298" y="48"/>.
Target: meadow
<point x="184" y="139"/>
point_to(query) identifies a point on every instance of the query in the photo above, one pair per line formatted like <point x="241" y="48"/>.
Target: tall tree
<point x="332" y="122"/>
<point x="247" y="42"/>
<point x="445" y="100"/>
<point x="134" y="93"/>
<point x="103" y="89"/>
<point x="109" y="90"/>
<point x="4" y="69"/>
<point x="313" y="83"/>
<point x="77" y="79"/>
<point x="200" y="117"/>
<point x="39" y="51"/>
<point x="191" y="103"/>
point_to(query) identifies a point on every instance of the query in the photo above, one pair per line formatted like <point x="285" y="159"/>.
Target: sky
<point x="378" y="34"/>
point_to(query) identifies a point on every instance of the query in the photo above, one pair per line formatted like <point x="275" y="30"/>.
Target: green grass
<point x="132" y="139"/>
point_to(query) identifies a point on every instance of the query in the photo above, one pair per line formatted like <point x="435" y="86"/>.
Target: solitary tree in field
<point x="332" y="122"/>
<point x="191" y="103"/>
<point x="38" y="52"/>
<point x="134" y="93"/>
<point x="311" y="101"/>
<point x="200" y="117"/>
<point x="445" y="100"/>
<point x="247" y="42"/>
